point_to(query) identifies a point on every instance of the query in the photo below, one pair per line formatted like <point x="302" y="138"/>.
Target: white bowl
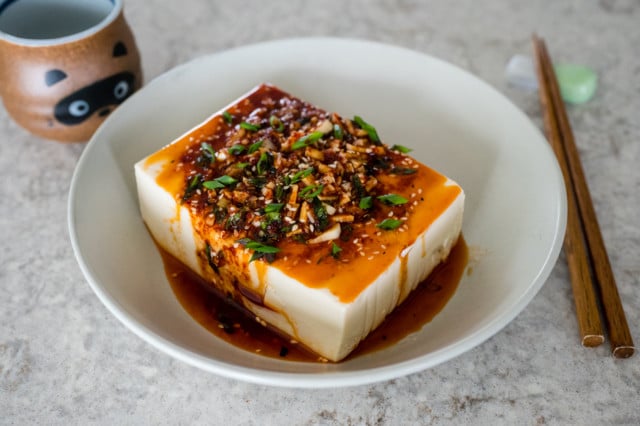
<point x="514" y="218"/>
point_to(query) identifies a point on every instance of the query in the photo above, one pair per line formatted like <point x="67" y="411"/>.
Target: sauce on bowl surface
<point x="226" y="320"/>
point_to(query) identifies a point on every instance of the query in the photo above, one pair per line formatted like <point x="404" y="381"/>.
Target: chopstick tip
<point x="592" y="340"/>
<point x="623" y="351"/>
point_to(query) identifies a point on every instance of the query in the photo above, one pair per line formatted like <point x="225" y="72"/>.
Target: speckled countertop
<point x="64" y="359"/>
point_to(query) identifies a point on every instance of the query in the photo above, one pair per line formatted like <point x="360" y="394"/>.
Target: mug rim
<point x="35" y="42"/>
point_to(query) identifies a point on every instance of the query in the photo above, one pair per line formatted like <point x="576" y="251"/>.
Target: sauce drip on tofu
<point x="225" y="319"/>
<point x="316" y="195"/>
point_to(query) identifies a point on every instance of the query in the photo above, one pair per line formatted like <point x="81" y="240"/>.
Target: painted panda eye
<point x="121" y="90"/>
<point x="79" y="108"/>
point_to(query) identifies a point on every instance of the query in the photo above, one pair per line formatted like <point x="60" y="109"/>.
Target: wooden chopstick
<point x="582" y="225"/>
<point x="574" y="243"/>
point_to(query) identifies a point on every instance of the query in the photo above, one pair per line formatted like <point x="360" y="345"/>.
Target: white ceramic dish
<point x="515" y="212"/>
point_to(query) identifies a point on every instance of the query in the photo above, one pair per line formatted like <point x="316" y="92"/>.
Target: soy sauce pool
<point x="229" y="322"/>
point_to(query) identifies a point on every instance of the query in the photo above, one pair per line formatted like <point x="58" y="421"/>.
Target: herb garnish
<point x="254" y="147"/>
<point x="227" y="117"/>
<point x="298" y="176"/>
<point x="402" y="149"/>
<point x="311" y="191"/>
<point x="337" y="132"/>
<point x="208" y="151"/>
<point x="321" y="213"/>
<point x="236" y="149"/>
<point x="219" y="182"/>
<point x="259" y="250"/>
<point x="335" y="250"/>
<point x="273" y="207"/>
<point x="392" y="199"/>
<point x="389" y="224"/>
<point x="403" y="171"/>
<point x="208" y="252"/>
<point x="371" y="131"/>
<point x="366" y="203"/>
<point x="250" y="127"/>
<point x="191" y="187"/>
<point x="264" y="163"/>
<point x="276" y="123"/>
<point x="306" y="140"/>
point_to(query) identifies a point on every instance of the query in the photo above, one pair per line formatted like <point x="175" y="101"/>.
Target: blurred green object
<point x="577" y="83"/>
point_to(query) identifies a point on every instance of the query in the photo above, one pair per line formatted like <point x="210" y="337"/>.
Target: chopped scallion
<point x="389" y="224"/>
<point x="259" y="247"/>
<point x="311" y="191"/>
<point x="263" y="163"/>
<point x="392" y="199"/>
<point x="250" y="127"/>
<point x="227" y="117"/>
<point x="403" y="171"/>
<point x="254" y="147"/>
<point x="273" y="207"/>
<point x="276" y="123"/>
<point x="402" y="149"/>
<point x="219" y="182"/>
<point x="335" y="250"/>
<point x="306" y="140"/>
<point x="366" y="203"/>
<point x="236" y="149"/>
<point x="208" y="149"/>
<point x="371" y="131"/>
<point x="298" y="176"/>
<point x="337" y="132"/>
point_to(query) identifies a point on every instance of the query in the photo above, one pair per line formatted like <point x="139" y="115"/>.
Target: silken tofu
<point x="305" y="218"/>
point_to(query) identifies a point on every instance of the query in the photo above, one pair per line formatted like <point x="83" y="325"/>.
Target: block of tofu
<point x="305" y="218"/>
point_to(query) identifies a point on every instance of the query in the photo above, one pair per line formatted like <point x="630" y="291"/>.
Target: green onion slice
<point x="258" y="247"/>
<point x="389" y="224"/>
<point x="371" y="131"/>
<point x="236" y="149"/>
<point x="311" y="191"/>
<point x="273" y="207"/>
<point x="402" y="149"/>
<point x="335" y="250"/>
<point x="276" y="123"/>
<point x="392" y="199"/>
<point x="254" y="147"/>
<point x="209" y="150"/>
<point x="298" y="176"/>
<point x="250" y="127"/>
<point x="219" y="182"/>
<point x="366" y="203"/>
<point x="306" y="140"/>
<point x="227" y="117"/>
<point x="337" y="132"/>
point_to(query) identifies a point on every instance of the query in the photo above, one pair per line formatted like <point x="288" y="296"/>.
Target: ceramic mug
<point x="65" y="64"/>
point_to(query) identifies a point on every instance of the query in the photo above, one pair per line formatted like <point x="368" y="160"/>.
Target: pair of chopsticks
<point x="592" y="279"/>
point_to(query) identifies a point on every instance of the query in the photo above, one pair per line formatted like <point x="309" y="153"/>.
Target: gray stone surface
<point x="65" y="360"/>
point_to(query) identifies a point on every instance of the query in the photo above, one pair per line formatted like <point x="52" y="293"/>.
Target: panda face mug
<point x="65" y="64"/>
